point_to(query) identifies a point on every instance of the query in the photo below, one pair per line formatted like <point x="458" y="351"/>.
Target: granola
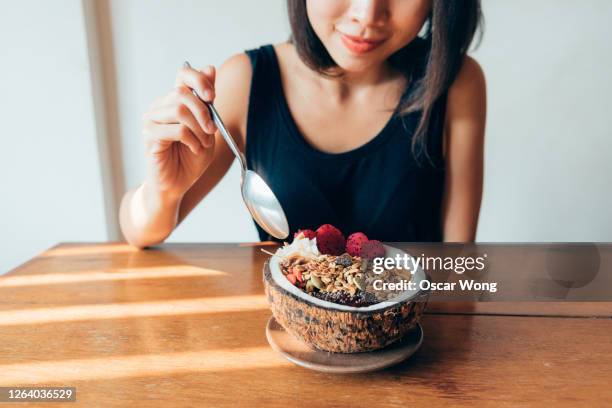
<point x="342" y="279"/>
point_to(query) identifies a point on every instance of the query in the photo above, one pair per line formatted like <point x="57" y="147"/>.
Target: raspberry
<point x="330" y="240"/>
<point x="372" y="249"/>
<point x="307" y="233"/>
<point x="291" y="278"/>
<point x="354" y="243"/>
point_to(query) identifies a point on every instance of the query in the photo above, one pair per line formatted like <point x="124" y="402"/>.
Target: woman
<point x="357" y="121"/>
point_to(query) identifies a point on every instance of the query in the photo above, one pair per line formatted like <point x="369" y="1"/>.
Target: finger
<point x="197" y="81"/>
<point x="157" y="102"/>
<point x="182" y="99"/>
<point x="211" y="72"/>
<point x="172" y="133"/>
<point x="199" y="111"/>
<point x="178" y="114"/>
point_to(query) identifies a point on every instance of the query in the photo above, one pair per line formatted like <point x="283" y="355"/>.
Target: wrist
<point x="158" y="197"/>
<point x="151" y="208"/>
<point x="150" y="203"/>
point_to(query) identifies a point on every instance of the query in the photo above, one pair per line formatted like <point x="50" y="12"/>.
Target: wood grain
<point x="184" y="325"/>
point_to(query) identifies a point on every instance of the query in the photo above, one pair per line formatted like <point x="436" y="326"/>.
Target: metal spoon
<point x="256" y="194"/>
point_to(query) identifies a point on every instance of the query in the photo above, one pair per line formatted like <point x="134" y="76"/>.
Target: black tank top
<point x="378" y="188"/>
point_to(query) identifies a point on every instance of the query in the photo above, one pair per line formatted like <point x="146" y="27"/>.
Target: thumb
<point x="211" y="73"/>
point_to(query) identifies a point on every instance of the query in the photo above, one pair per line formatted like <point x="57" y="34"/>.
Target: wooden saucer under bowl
<point x="299" y="353"/>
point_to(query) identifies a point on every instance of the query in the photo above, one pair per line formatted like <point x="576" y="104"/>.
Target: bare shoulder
<point x="467" y="94"/>
<point x="470" y="73"/>
<point x="284" y="49"/>
<point x="466" y="111"/>
<point x="288" y="58"/>
<point x="232" y="86"/>
<point x="237" y="67"/>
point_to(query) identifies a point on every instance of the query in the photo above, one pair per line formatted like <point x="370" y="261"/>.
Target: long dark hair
<point x="430" y="69"/>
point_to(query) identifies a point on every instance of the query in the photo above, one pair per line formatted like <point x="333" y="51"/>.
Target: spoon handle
<point x="222" y="129"/>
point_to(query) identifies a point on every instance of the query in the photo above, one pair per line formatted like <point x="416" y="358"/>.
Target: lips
<point x="359" y="45"/>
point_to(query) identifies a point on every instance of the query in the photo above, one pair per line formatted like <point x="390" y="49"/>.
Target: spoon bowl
<point x="263" y="205"/>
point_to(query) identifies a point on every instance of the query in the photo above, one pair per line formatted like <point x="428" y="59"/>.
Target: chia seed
<point x="360" y="299"/>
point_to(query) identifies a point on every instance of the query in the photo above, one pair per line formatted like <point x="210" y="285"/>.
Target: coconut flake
<point x="304" y="247"/>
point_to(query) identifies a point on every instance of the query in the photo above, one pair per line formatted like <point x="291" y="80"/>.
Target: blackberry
<point x="344" y="260"/>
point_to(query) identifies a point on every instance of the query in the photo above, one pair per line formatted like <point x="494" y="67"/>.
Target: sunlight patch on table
<point x="65" y="371"/>
<point x="89" y="249"/>
<point x="122" y="274"/>
<point x="221" y="304"/>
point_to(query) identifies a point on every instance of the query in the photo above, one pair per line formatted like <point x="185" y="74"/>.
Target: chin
<point x="354" y="67"/>
<point x="352" y="63"/>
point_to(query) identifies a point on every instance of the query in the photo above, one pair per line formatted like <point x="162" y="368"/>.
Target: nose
<point x="370" y="12"/>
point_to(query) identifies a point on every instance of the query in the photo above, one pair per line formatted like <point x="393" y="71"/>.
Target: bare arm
<point x="150" y="212"/>
<point x="464" y="151"/>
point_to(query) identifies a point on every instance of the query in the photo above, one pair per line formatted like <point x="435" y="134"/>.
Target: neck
<point x="350" y="84"/>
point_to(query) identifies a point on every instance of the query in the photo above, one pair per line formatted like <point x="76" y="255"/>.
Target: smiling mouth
<point x="359" y="45"/>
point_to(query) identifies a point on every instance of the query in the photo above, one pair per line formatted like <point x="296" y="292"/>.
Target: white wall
<point x="49" y="171"/>
<point x="549" y="137"/>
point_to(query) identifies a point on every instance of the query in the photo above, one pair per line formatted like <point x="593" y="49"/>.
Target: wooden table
<point x="183" y="325"/>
